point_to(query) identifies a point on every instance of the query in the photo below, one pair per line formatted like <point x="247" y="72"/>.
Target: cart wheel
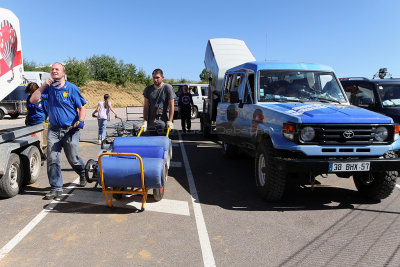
<point x="91" y="170"/>
<point x="158" y="193"/>
<point x="119" y="196"/>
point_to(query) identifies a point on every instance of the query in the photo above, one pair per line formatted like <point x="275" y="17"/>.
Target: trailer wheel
<point x="31" y="163"/>
<point x="158" y="193"/>
<point x="377" y="185"/>
<point x="11" y="181"/>
<point x="14" y="115"/>
<point x="1" y="114"/>
<point x="270" y="181"/>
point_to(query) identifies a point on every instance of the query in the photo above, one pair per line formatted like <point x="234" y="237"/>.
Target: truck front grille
<point x="347" y="134"/>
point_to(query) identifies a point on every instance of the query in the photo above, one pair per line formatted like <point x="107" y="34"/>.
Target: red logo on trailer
<point x="8" y="48"/>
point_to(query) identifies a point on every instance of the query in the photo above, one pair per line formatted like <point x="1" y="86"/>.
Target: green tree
<point x="142" y="78"/>
<point x="77" y="71"/>
<point x="32" y="66"/>
<point x="104" y="68"/>
<point x="204" y="76"/>
<point x="29" y="65"/>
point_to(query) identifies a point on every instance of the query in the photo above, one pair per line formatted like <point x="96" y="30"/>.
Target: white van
<point x="198" y="91"/>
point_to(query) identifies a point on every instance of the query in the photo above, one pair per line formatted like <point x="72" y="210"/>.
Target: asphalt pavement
<point x="210" y="215"/>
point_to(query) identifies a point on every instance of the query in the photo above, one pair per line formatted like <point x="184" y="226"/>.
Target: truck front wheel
<point x="270" y="181"/>
<point x="377" y="185"/>
<point x="11" y="181"/>
<point x="1" y="114"/>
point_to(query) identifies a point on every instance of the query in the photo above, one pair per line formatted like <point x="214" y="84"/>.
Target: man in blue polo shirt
<point x="66" y="117"/>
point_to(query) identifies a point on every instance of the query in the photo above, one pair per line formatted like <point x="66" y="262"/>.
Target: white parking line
<point x="208" y="257"/>
<point x="24" y="232"/>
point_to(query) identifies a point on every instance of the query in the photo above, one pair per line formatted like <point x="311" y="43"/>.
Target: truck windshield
<point x="298" y="86"/>
<point x="390" y="94"/>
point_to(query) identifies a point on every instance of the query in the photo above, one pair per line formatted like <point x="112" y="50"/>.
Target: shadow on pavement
<point x="230" y="183"/>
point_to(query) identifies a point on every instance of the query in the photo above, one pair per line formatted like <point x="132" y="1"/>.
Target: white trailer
<point x="221" y="55"/>
<point x="21" y="148"/>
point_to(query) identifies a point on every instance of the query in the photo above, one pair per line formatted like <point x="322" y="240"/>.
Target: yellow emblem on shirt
<point x="65" y="94"/>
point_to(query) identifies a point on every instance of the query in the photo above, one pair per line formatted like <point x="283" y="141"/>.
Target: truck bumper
<point x="322" y="165"/>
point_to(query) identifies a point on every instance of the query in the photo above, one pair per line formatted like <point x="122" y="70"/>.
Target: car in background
<point x="379" y="95"/>
<point x="198" y="91"/>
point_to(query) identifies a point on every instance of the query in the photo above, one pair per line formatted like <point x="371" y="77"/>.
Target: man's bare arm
<point x="145" y="109"/>
<point x="37" y="95"/>
<point x="171" y="110"/>
<point x="82" y="113"/>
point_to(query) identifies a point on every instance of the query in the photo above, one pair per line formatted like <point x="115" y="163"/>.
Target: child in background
<point x="103" y="109"/>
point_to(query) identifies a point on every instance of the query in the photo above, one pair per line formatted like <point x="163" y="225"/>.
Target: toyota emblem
<point x="348" y="134"/>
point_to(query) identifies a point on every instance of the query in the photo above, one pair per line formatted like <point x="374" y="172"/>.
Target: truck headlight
<point x="307" y="134"/>
<point x="381" y="134"/>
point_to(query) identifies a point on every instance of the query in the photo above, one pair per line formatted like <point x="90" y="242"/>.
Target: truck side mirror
<point x="234" y="97"/>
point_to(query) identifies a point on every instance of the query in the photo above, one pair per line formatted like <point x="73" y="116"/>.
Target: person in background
<point x="66" y="117"/>
<point x="185" y="105"/>
<point x="37" y="112"/>
<point x="158" y="107"/>
<point x="103" y="109"/>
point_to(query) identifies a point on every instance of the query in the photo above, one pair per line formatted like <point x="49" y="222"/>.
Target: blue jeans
<point x="102" y="128"/>
<point x="156" y="128"/>
<point x="57" y="138"/>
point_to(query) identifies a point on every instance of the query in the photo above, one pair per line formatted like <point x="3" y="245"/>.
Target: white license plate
<point x="349" y="166"/>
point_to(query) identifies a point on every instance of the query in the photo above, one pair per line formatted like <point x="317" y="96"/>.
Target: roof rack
<point x="353" y="78"/>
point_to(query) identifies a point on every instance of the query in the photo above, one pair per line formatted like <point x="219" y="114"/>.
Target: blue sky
<point x="354" y="37"/>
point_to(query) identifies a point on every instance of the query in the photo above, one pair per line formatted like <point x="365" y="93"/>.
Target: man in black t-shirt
<point x="185" y="105"/>
<point x="158" y="107"/>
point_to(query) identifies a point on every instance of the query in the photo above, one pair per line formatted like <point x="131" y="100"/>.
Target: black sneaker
<point x="53" y="194"/>
<point x="82" y="181"/>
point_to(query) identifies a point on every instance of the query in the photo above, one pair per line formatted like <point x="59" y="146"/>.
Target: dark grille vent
<point x="347" y="134"/>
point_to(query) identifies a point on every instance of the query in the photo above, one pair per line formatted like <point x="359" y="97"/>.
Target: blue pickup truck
<point x="296" y="120"/>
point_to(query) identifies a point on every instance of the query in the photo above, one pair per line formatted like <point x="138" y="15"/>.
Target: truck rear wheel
<point x="31" y="163"/>
<point x="377" y="185"/>
<point x="1" y="114"/>
<point x="270" y="181"/>
<point x="11" y="181"/>
<point x="205" y="126"/>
